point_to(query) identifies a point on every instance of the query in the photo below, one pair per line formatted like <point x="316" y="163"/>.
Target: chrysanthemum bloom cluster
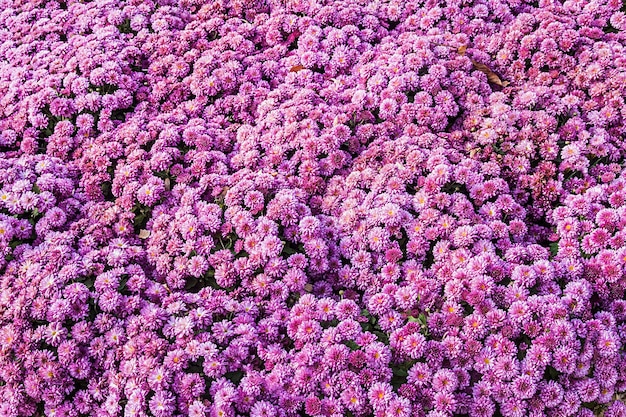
<point x="322" y="208"/>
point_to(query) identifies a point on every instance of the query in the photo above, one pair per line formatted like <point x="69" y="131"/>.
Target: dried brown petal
<point x="492" y="77"/>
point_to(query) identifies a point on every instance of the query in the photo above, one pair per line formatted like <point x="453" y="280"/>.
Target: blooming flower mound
<point x="326" y="208"/>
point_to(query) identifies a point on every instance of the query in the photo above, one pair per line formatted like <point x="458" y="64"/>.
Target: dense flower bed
<point x="276" y="208"/>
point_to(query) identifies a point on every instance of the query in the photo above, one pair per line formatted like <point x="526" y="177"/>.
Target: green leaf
<point x="288" y="250"/>
<point x="89" y="282"/>
<point x="124" y="27"/>
<point x="551" y="373"/>
<point x="195" y="369"/>
<point x="15" y="243"/>
<point x="191" y="282"/>
<point x="352" y="344"/>
<point x="123" y="281"/>
<point x="234" y="376"/>
<point x="497" y="149"/>
<point x="398" y="380"/>
<point x="106" y="191"/>
<point x="554" y="248"/>
<point x="162" y="174"/>
<point x="381" y="336"/>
